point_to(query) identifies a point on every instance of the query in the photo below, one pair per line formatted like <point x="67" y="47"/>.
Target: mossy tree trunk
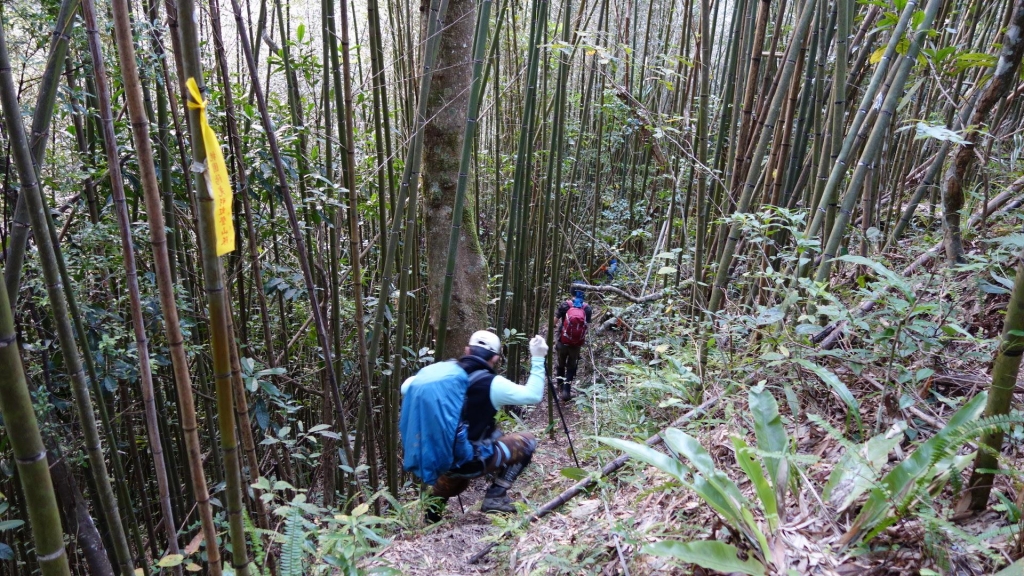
<point x="447" y="105"/>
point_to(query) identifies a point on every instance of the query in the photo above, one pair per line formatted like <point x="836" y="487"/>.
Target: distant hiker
<point x="574" y="315"/>
<point x="613" y="267"/>
<point x="448" y="430"/>
<point x="608" y="270"/>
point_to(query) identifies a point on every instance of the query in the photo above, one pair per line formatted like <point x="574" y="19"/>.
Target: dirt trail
<point x="444" y="549"/>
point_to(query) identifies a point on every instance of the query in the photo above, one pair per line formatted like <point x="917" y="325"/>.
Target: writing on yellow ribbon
<point x="216" y="174"/>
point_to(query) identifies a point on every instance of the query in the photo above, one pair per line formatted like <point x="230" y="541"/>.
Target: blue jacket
<point x="432" y="438"/>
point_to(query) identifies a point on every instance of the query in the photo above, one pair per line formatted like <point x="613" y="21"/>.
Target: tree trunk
<point x="76" y="515"/>
<point x="447" y="105"/>
<point x="1001" y="83"/>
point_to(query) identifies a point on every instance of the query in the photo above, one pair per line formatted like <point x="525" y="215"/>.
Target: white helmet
<point x="486" y="340"/>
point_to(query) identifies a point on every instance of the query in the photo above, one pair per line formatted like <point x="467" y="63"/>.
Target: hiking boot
<point x="493" y="504"/>
<point x="434" y="510"/>
<point x="432" y="516"/>
<point x="566" y="393"/>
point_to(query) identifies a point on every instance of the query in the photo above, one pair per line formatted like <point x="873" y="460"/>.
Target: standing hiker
<point x="448" y="430"/>
<point x="574" y="315"/>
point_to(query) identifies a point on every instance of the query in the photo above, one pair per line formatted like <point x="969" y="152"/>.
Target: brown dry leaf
<point x="193" y="546"/>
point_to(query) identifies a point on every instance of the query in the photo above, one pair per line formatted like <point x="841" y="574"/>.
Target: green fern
<point x="292" y="546"/>
<point x="259" y="556"/>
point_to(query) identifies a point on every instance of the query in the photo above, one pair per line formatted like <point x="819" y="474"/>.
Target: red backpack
<point x="574" y="326"/>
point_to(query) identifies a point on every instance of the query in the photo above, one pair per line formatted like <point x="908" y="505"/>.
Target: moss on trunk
<point x="446" y="108"/>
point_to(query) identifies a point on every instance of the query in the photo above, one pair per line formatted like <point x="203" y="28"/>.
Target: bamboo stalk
<point x="217" y="302"/>
<point x="27" y="444"/>
<point x="126" y="51"/>
<point x="480" y="42"/>
<point x="165" y="283"/>
<point x="19" y="144"/>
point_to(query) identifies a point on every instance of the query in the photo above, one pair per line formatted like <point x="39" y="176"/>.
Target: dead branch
<point x="1004" y="202"/>
<point x="620" y="292"/>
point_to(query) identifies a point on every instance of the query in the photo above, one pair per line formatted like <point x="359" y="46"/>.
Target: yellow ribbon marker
<point x="216" y="174"/>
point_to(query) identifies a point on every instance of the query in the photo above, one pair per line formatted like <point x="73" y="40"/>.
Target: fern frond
<point x="292" y="547"/>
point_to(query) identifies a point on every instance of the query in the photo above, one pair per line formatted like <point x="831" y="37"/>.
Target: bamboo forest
<point x="517" y="287"/>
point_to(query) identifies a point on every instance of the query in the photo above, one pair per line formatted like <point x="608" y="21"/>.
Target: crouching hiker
<point x="449" y="435"/>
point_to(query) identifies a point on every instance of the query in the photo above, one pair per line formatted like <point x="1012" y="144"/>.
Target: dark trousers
<point x="568" y="360"/>
<point x="509" y="450"/>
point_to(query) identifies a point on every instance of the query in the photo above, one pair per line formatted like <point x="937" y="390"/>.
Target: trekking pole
<point x="565" y="427"/>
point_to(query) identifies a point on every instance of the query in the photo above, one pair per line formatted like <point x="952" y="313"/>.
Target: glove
<point x="538" y="347"/>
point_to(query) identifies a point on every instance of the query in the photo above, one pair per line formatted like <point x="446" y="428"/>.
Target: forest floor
<point x="602" y="531"/>
<point x="445" y="549"/>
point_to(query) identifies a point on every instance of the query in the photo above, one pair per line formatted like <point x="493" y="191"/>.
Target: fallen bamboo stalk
<point x="583" y="484"/>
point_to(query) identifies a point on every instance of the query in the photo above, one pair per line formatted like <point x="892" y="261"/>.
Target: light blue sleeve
<point x="504" y="392"/>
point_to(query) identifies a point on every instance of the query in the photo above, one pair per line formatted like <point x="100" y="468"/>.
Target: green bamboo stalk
<point x="27" y="444"/>
<point x="522" y="169"/>
<point x="126" y="51"/>
<point x="1000" y="397"/>
<point x="406" y="195"/>
<point x="702" y="153"/>
<point x="874" y="142"/>
<point x="41" y="119"/>
<point x="217" y="304"/>
<point x="480" y="42"/>
<point x="410" y="182"/>
<point x="722" y="276"/>
<point x="928" y="182"/>
<point x="65" y="332"/>
<point x="559" y="216"/>
<point x="318" y="321"/>
<point x="840" y="165"/>
<point x="98" y="392"/>
<point x="354" y="249"/>
<point x="241" y="402"/>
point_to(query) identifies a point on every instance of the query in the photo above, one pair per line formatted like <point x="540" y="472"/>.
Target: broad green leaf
<point x="318" y="428"/>
<point x="745" y="458"/>
<point x="573" y="473"/>
<point x="688" y="447"/>
<point x="170" y="561"/>
<point x="753" y="532"/>
<point x="938" y="132"/>
<point x="770" y="432"/>
<point x="856" y="472"/>
<point x="708" y="554"/>
<point x="10" y="524"/>
<point x="649" y="455"/>
<point x="904" y="480"/>
<point x="893" y="279"/>
<point x="713" y="486"/>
